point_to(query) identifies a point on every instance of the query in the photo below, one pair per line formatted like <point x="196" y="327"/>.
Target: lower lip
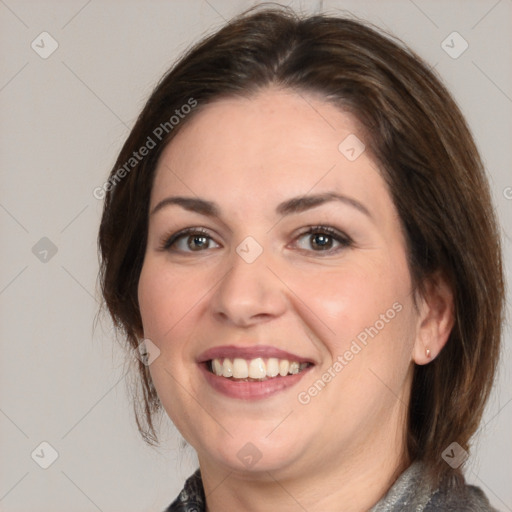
<point x="251" y="390"/>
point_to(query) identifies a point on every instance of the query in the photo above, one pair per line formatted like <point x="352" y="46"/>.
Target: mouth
<point x="252" y="372"/>
<point x="255" y="370"/>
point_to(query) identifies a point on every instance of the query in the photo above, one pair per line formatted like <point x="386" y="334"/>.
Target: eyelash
<point x="344" y="240"/>
<point x="170" y="240"/>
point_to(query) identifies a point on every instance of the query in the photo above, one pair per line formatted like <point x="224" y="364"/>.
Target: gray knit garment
<point x="409" y="493"/>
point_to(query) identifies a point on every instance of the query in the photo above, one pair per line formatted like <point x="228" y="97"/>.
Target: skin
<point x="345" y="447"/>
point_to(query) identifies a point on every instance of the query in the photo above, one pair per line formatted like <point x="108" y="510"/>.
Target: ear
<point x="435" y="320"/>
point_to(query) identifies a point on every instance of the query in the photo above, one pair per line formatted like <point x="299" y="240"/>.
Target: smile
<point x="252" y="372"/>
<point x="257" y="369"/>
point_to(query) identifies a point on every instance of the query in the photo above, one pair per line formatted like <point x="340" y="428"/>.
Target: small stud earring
<point x="427" y="352"/>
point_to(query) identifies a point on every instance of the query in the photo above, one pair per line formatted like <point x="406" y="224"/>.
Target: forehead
<point x="281" y="142"/>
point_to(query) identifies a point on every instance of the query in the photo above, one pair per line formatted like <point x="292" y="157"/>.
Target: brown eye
<point x="321" y="241"/>
<point x="323" y="238"/>
<point x="190" y="240"/>
<point x="198" y="242"/>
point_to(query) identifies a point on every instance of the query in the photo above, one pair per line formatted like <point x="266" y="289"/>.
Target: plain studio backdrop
<point x="74" y="76"/>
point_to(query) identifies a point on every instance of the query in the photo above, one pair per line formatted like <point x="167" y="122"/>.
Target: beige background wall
<point x="63" y="120"/>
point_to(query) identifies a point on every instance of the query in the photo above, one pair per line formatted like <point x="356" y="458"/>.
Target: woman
<point x="299" y="232"/>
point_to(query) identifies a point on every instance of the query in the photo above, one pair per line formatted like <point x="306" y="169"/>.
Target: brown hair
<point x="417" y="135"/>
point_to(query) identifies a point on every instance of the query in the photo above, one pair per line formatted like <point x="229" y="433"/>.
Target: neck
<point x="354" y="485"/>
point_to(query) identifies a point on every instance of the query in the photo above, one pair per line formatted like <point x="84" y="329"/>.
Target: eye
<point x="323" y="239"/>
<point x="189" y="240"/>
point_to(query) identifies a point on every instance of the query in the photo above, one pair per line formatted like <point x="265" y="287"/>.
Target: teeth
<point x="294" y="368"/>
<point x="284" y="366"/>
<point x="256" y="368"/>
<point x="227" y="368"/>
<point x="240" y="369"/>
<point x="272" y="367"/>
<point x="217" y="367"/>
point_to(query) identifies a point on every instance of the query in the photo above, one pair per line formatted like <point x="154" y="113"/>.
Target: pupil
<point x="198" y="242"/>
<point x="322" y="241"/>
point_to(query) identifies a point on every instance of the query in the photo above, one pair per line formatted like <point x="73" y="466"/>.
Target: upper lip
<point x="249" y="352"/>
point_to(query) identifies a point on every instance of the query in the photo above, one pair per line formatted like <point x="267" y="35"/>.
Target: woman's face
<point x="294" y="262"/>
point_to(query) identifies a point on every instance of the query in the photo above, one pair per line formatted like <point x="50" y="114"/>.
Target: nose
<point x="249" y="293"/>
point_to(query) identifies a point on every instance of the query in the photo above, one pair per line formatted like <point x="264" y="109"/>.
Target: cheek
<point x="368" y="340"/>
<point x="153" y="302"/>
<point x="355" y="300"/>
<point x="165" y="298"/>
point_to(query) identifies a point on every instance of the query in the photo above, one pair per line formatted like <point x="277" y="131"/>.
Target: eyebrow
<point x="291" y="206"/>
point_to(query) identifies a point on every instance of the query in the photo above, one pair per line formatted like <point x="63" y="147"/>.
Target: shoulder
<point x="468" y="498"/>
<point x="191" y="498"/>
<point x="411" y="492"/>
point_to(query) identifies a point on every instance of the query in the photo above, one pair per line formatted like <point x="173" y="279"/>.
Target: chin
<point x="244" y="446"/>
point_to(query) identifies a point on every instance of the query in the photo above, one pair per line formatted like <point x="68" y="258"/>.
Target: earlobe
<point x="435" y="321"/>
